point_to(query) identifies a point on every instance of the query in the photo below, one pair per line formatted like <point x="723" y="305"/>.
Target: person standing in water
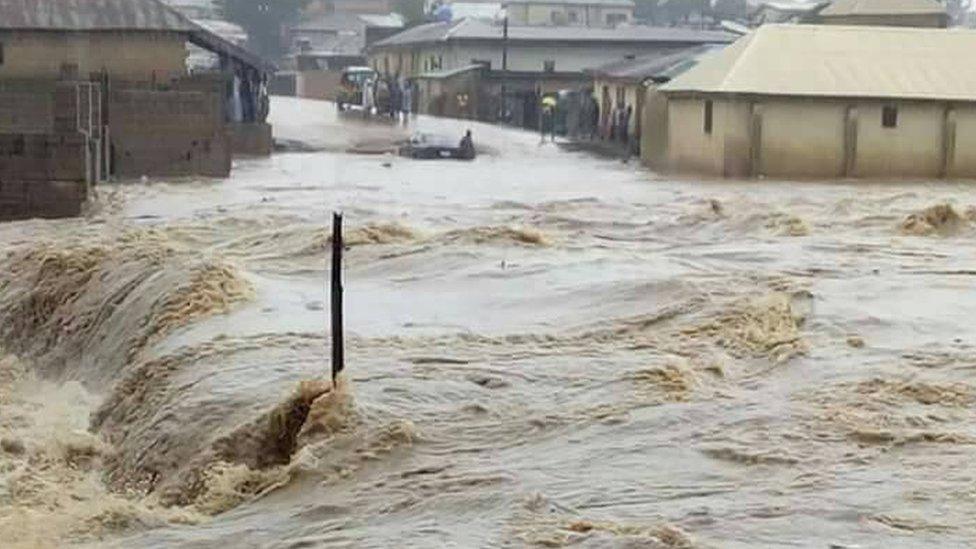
<point x="407" y="97"/>
<point x="368" y="98"/>
<point x="549" y="117"/>
<point x="467" y="146"/>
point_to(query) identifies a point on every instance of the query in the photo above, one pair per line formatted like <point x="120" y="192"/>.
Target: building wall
<point x="819" y="138"/>
<point x="963" y="153"/>
<point x="813" y="148"/>
<point x="654" y="132"/>
<point x="27" y="107"/>
<point x="42" y="175"/>
<point x="129" y="55"/>
<point x="628" y="92"/>
<point x="723" y="152"/>
<point x="169" y="133"/>
<point x="318" y="84"/>
<point x="914" y="148"/>
<point x="382" y="7"/>
<point x="521" y="57"/>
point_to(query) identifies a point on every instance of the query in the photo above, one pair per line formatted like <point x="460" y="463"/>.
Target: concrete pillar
<point x="850" y="141"/>
<point x="755" y="141"/>
<point x="948" y="141"/>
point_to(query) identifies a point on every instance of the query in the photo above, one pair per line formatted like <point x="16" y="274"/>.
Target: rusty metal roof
<point x="91" y="15"/>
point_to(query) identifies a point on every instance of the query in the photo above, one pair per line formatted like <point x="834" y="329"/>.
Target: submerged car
<point x="434" y="146"/>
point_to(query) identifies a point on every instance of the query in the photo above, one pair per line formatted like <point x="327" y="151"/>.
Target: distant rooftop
<point x="611" y="3"/>
<point x="478" y="30"/>
<point x="658" y="67"/>
<point x="842" y="8"/>
<point x="350" y="21"/>
<point x="840" y="61"/>
<point x="91" y="15"/>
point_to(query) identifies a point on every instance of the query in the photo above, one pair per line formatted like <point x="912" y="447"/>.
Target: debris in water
<point x="767" y="327"/>
<point x="787" y="225"/>
<point x="940" y="219"/>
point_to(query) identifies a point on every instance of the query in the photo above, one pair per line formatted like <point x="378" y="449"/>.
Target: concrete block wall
<point x="251" y="139"/>
<point x="44" y="199"/>
<point x="27" y="107"/>
<point x="32" y="157"/>
<point x="176" y="131"/>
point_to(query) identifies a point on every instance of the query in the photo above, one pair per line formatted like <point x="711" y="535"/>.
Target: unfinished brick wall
<point x="27" y="107"/>
<point x="173" y="131"/>
<point x="251" y="139"/>
<point x="42" y="175"/>
<point x="31" y="157"/>
<point x="44" y="199"/>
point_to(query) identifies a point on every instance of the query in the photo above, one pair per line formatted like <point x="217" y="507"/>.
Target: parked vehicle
<point x="429" y="146"/>
<point x="351" y="85"/>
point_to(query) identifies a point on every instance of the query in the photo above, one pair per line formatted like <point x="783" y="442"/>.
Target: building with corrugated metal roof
<point x="96" y="88"/>
<point x="893" y="13"/>
<point x="519" y="65"/>
<point x="620" y="85"/>
<point x="811" y="101"/>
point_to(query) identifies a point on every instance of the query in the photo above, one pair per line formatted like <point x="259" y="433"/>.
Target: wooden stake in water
<point x="338" y="350"/>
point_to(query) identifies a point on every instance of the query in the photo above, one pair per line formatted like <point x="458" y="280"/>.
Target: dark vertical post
<point x="338" y="349"/>
<point x="505" y="68"/>
<point x="505" y="44"/>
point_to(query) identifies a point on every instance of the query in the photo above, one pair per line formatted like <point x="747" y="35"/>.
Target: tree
<point x="412" y="11"/>
<point x="264" y="21"/>
<point x="958" y="10"/>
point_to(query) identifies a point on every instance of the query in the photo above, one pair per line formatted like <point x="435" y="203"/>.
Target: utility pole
<point x="338" y="349"/>
<point x="505" y="67"/>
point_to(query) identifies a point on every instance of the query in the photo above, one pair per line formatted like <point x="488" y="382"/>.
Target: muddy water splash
<point x="670" y="364"/>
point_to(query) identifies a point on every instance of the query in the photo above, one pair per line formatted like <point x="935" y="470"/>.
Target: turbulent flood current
<point x="543" y="349"/>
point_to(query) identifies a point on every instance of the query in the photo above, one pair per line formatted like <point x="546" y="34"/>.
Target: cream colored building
<point x="575" y="13"/>
<point x="127" y="55"/>
<point x="809" y="101"/>
<point x="128" y="39"/>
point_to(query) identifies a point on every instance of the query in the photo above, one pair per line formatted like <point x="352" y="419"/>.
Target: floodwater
<point x="544" y="349"/>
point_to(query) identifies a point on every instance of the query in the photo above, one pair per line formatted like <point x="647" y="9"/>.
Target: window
<point x="486" y="63"/>
<point x="889" y="117"/>
<point x="708" y="117"/>
<point x="614" y="19"/>
<point x="573" y="17"/>
<point x="549" y="66"/>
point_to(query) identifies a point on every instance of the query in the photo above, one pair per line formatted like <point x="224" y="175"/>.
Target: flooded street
<point x="543" y="349"/>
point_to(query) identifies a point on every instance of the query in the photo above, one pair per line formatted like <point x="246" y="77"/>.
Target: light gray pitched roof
<point x="843" y="8"/>
<point x="473" y="29"/>
<point x="657" y="66"/>
<point x="605" y="3"/>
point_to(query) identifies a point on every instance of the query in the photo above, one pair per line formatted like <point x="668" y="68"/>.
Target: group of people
<point x="585" y="119"/>
<point x="398" y="100"/>
<point x="618" y="124"/>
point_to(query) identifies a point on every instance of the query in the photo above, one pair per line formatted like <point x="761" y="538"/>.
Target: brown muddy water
<point x="545" y="349"/>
